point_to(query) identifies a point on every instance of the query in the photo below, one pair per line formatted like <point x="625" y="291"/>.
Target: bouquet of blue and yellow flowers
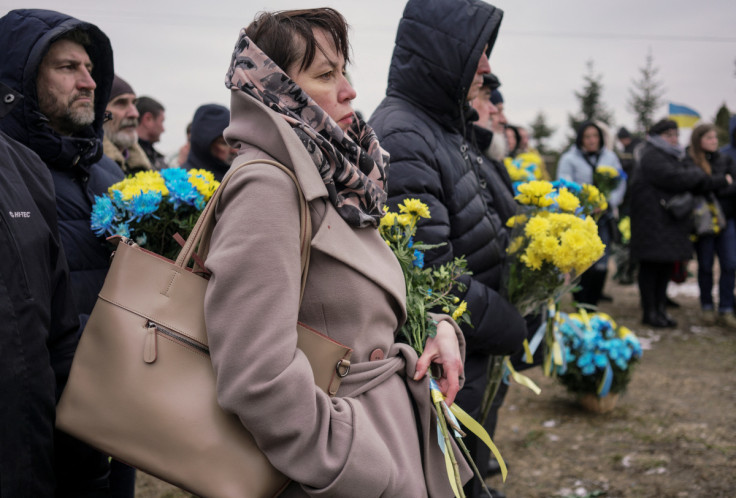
<point x="599" y="355"/>
<point x="553" y="241"/>
<point x="151" y="206"/>
<point x="432" y="289"/>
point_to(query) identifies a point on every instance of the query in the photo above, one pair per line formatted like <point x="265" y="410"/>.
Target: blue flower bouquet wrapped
<point x="151" y="206"/>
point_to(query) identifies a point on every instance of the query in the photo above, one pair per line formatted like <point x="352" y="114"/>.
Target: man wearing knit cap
<point x="121" y="138"/>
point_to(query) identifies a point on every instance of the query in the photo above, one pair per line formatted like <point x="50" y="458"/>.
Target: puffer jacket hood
<point x="436" y="76"/>
<point x="209" y="122"/>
<point x="581" y="129"/>
<point x="26" y="36"/>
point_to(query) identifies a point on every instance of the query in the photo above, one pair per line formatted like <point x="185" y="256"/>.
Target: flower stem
<point x="470" y="460"/>
<point x="493" y="382"/>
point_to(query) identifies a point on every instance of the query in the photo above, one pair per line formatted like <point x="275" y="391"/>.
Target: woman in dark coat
<point x="658" y="240"/>
<point x="703" y="153"/>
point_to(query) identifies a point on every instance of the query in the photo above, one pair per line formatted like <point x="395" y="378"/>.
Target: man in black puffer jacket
<point x="38" y="323"/>
<point x="437" y="66"/>
<point x="64" y="69"/>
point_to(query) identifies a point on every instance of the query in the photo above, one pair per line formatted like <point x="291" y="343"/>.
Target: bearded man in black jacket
<point x="438" y="64"/>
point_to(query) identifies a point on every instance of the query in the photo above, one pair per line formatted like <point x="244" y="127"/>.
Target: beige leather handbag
<point x="142" y="387"/>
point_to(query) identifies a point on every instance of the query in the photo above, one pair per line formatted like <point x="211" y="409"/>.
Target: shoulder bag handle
<point x="199" y="238"/>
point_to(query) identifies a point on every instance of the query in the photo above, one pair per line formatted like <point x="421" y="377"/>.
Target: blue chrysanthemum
<point x="143" y="205"/>
<point x="181" y="192"/>
<point x="121" y="228"/>
<point x="103" y="215"/>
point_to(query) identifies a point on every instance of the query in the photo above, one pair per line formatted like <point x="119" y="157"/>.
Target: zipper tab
<point x="150" y="348"/>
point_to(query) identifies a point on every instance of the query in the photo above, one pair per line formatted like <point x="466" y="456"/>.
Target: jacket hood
<point x="732" y="131"/>
<point x="209" y="122"/>
<point x="26" y="36"/>
<point x="438" y="45"/>
<point x="581" y="129"/>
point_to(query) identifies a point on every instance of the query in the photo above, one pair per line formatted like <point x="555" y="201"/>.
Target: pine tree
<point x="591" y="107"/>
<point x="646" y="97"/>
<point x="541" y="131"/>
<point x="723" y="116"/>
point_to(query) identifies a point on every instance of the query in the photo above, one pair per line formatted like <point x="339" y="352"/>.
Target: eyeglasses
<point x="671" y="133"/>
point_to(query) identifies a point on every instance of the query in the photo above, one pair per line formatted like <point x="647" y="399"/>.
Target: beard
<point x="124" y="135"/>
<point x="498" y="148"/>
<point x="65" y="117"/>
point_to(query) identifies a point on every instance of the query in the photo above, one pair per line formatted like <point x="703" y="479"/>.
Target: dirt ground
<point x="672" y="433"/>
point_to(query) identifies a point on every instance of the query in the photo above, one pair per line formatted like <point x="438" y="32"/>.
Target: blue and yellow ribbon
<point x="456" y="417"/>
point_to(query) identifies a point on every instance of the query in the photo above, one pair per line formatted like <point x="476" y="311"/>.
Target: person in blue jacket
<point x="64" y="69"/>
<point x="425" y="123"/>
<point x="578" y="164"/>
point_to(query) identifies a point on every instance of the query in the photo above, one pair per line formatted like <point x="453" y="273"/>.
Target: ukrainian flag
<point x="683" y="116"/>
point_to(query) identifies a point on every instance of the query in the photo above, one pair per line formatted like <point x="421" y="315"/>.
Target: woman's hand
<point x="443" y="350"/>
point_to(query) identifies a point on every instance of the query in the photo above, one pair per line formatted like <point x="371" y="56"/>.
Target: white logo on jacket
<point x="19" y="214"/>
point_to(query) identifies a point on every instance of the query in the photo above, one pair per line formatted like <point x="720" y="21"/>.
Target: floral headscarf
<point x="352" y="164"/>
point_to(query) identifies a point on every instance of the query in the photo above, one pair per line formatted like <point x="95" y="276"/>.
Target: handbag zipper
<point x="150" y="350"/>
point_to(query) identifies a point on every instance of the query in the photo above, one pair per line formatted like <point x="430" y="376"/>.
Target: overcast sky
<point x="178" y="52"/>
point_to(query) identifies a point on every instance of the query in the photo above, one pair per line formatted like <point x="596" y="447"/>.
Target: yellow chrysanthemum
<point x="567" y="201"/>
<point x="594" y="196"/>
<point x="405" y="219"/>
<point x="537" y="226"/>
<point x="414" y="207"/>
<point x="605" y="170"/>
<point x="144" y="181"/>
<point x="534" y="193"/>
<point x="459" y="310"/>
<point x="388" y="219"/>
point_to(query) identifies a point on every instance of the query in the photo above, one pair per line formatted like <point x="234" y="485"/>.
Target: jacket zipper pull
<point x="150" y="348"/>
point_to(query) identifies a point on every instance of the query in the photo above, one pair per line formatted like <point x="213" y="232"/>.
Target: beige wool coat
<point x="366" y="441"/>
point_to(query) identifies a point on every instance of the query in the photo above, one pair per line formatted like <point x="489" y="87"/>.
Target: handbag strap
<point x="199" y="238"/>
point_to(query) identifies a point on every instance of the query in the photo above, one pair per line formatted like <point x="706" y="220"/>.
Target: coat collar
<point x="363" y="250"/>
<point x="253" y="124"/>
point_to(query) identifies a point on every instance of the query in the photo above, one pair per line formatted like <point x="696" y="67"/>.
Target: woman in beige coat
<point x="378" y="436"/>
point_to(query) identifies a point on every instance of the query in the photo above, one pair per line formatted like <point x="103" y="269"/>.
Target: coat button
<point x="376" y="355"/>
<point x="9" y="98"/>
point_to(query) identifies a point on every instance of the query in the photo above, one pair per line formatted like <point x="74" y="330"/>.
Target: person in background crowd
<point x="483" y="105"/>
<point x="626" y="268"/>
<point x="208" y="148"/>
<point x="499" y="147"/>
<point x="730" y="149"/>
<point x="39" y="330"/>
<point x="513" y="138"/>
<point x="151" y="116"/>
<point x="427" y="130"/>
<point x="531" y="153"/>
<point x="658" y="240"/>
<point x="703" y="153"/>
<point x="121" y="138"/>
<point x="578" y="165"/>
<point x="64" y="69"/>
